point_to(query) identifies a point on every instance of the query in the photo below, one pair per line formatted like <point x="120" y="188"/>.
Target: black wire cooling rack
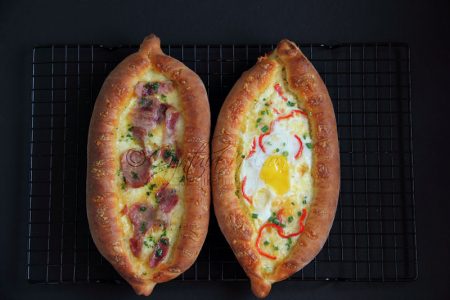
<point x="373" y="237"/>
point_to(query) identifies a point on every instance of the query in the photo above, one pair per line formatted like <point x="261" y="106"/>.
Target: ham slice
<point x="147" y="114"/>
<point x="161" y="250"/>
<point x="167" y="199"/>
<point x="135" y="168"/>
<point x="145" y="89"/>
<point x="143" y="217"/>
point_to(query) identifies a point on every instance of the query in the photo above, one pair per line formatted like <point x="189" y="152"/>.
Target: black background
<point x="425" y="25"/>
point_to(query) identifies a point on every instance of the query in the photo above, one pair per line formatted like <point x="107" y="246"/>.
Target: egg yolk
<point x="275" y="173"/>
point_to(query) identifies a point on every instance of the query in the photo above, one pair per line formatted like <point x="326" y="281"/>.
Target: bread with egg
<point x="275" y="167"/>
<point x="148" y="189"/>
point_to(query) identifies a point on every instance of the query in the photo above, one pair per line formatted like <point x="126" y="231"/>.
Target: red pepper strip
<point x="253" y="150"/>
<point x="300" y="150"/>
<point x="280" y="231"/>
<point x="258" y="240"/>
<point x="277" y="88"/>
<point x="260" y="140"/>
<point x="302" y="220"/>
<point x="276" y="111"/>
<point x="290" y="115"/>
<point x="246" y="197"/>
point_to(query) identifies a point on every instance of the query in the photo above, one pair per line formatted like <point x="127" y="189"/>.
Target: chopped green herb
<point x="143" y="227"/>
<point x="304" y="200"/>
<point x="151" y="186"/>
<point x="130" y="128"/>
<point x="165" y="241"/>
<point x="299" y="213"/>
<point x="142" y="208"/>
<point x="275" y="248"/>
<point x="264" y="128"/>
<point x="149" y="242"/>
<point x="242" y="156"/>
<point x="181" y="179"/>
<point x="254" y="216"/>
<point x="258" y="120"/>
<point x="285" y="153"/>
<point x="164" y="233"/>
<point x="264" y="99"/>
<point x="289" y="243"/>
<point x="292" y="203"/>
<point x="266" y="243"/>
<point x="154" y="86"/>
<point x="304" y="136"/>
<point x="266" y="104"/>
<point x="277" y="150"/>
<point x="123" y="185"/>
<point x="309" y="145"/>
<point x="284" y="143"/>
<point x="135" y="175"/>
<point x="118" y="172"/>
<point x="148" y="193"/>
<point x="150" y="134"/>
<point x="289" y="103"/>
<point x="263" y="112"/>
<point x="144" y="273"/>
<point x="158" y="252"/>
<point x="290" y="219"/>
<point x="273" y="219"/>
<point x="163" y="98"/>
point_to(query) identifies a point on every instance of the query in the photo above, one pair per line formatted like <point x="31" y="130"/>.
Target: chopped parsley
<point x="135" y="175"/>
<point x="277" y="150"/>
<point x="289" y="103"/>
<point x="164" y="233"/>
<point x="148" y="193"/>
<point x="154" y="86"/>
<point x="266" y="243"/>
<point x="285" y="153"/>
<point x="273" y="219"/>
<point x="149" y="242"/>
<point x="164" y="241"/>
<point x="264" y="128"/>
<point x="143" y="227"/>
<point x="304" y="200"/>
<point x="304" y="136"/>
<point x="150" y="134"/>
<point x="254" y="216"/>
<point x="299" y="213"/>
<point x="163" y="98"/>
<point x="266" y="104"/>
<point x="159" y="252"/>
<point x="242" y="156"/>
<point x="181" y="179"/>
<point x="258" y="120"/>
<point x="275" y="248"/>
<point x="123" y="185"/>
<point x="290" y="219"/>
<point x="289" y="243"/>
<point x="142" y="208"/>
<point x="118" y="172"/>
<point x="309" y="145"/>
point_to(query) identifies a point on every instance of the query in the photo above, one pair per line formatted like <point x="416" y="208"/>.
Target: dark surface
<point x="424" y="26"/>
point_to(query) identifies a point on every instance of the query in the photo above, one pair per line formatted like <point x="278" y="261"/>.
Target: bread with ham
<point x="148" y="189"/>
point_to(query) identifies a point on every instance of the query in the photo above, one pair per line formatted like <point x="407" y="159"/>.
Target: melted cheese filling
<point x="275" y="170"/>
<point x="160" y="175"/>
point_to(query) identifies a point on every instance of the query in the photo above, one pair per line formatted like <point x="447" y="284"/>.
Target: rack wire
<point x="374" y="234"/>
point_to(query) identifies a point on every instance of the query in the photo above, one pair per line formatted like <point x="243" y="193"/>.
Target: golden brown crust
<point x="102" y="200"/>
<point x="305" y="82"/>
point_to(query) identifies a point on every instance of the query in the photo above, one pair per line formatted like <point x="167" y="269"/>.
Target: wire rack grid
<point x="374" y="235"/>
